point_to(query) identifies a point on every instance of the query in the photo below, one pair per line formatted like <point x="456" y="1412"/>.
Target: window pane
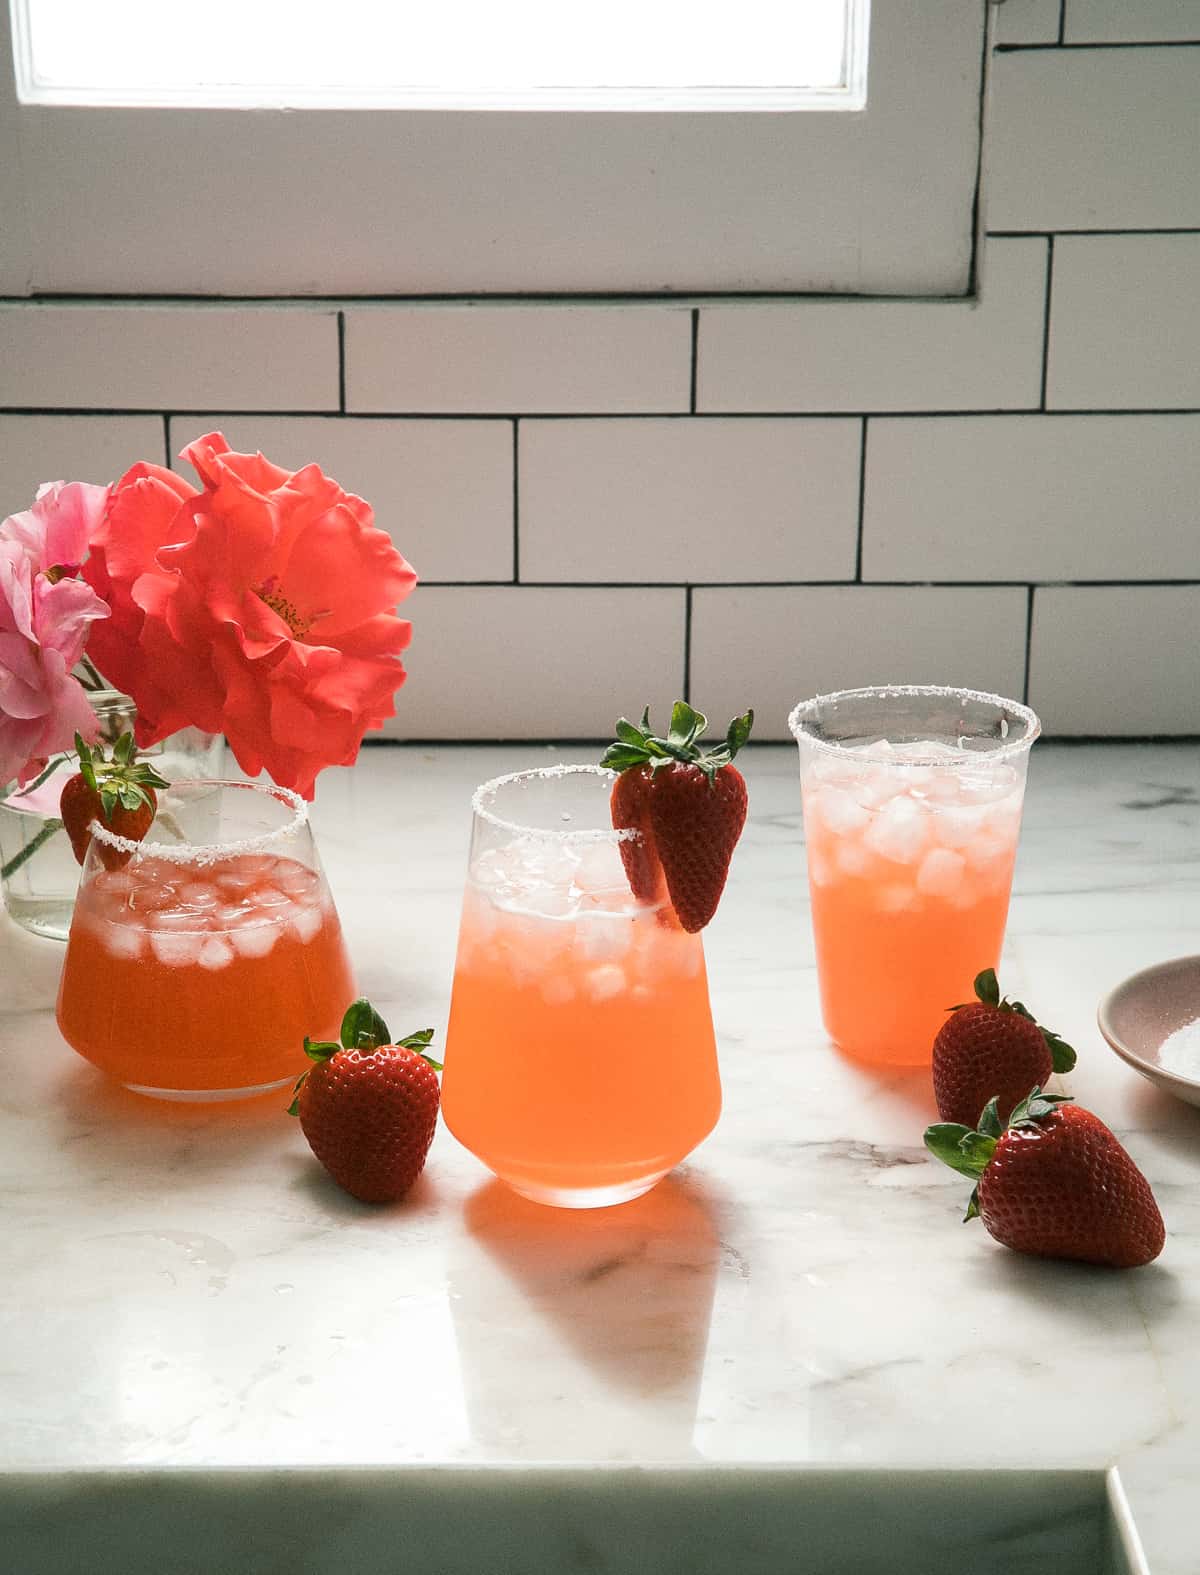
<point x="530" y="53"/>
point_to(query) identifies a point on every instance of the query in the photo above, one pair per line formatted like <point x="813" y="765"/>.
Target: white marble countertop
<point x="182" y="1287"/>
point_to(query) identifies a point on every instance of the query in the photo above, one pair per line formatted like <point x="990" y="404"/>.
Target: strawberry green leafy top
<point x="638" y="746"/>
<point x="122" y="780"/>
<point x="987" y="988"/>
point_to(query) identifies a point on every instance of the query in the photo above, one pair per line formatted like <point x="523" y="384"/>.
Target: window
<point x="186" y="199"/>
<point x="536" y="54"/>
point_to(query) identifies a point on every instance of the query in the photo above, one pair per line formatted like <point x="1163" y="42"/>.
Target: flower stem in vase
<point x="89" y="678"/>
<point x="30" y="848"/>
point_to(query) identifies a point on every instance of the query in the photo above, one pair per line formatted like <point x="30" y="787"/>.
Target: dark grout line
<point x="862" y="502"/>
<point x="986" y="47"/>
<point x="687" y="646"/>
<point x="516" y="502"/>
<point x="817" y="585"/>
<point x="1048" y="740"/>
<point x="695" y="368"/>
<point x="1046" y="318"/>
<point x="995" y="413"/>
<point x="1028" y="644"/>
<point x="1099" y="44"/>
<point x="1155" y="229"/>
<point x="341" y="352"/>
<point x="681" y="300"/>
<point x="1062" y="21"/>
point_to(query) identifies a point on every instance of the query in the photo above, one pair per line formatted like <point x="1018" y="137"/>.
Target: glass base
<point x="207" y="1096"/>
<point x="587" y="1197"/>
<point x="887" y="1059"/>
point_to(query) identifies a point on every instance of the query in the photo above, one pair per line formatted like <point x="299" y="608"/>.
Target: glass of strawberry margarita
<point x="580" y="1061"/>
<point x="912" y="808"/>
<point x="195" y="968"/>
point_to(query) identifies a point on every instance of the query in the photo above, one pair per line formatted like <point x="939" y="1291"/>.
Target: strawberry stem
<point x="969" y="1150"/>
<point x="637" y="746"/>
<point x="362" y="1029"/>
<point x="122" y="780"/>
<point x="1062" y="1055"/>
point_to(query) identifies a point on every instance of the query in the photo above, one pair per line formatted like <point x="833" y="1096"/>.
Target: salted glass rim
<point x="806" y="709"/>
<point x="207" y="852"/>
<point x="488" y="790"/>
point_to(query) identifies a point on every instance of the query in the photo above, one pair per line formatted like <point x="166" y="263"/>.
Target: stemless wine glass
<point x="580" y="1058"/>
<point x="196" y="965"/>
<point x="912" y="809"/>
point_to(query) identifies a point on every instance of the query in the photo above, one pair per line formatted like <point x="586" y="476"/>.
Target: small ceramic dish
<point x="1138" y="1015"/>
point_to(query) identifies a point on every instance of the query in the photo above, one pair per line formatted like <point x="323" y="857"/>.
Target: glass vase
<point x="38" y="872"/>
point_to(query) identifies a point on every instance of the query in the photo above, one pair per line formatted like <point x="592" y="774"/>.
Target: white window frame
<point x="278" y="69"/>
<point x="425" y="202"/>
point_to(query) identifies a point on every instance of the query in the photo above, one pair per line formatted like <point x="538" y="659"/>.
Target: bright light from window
<point x="527" y="54"/>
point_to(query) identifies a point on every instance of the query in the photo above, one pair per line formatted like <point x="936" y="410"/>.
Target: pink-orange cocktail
<point x="199" y="976"/>
<point x="912" y="810"/>
<point x="580" y="1057"/>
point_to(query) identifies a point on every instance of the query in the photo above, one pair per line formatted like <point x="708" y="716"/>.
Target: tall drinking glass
<point x="196" y="966"/>
<point x="580" y="1059"/>
<point x="912" y="809"/>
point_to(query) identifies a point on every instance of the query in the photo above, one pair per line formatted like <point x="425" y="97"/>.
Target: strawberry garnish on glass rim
<point x="120" y="793"/>
<point x="688" y="805"/>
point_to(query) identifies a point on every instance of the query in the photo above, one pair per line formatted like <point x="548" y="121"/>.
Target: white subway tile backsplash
<point x="34" y="449"/>
<point x="536" y="662"/>
<point x="1028" y="21"/>
<point x="688" y="500"/>
<point x="1032" y="498"/>
<point x="543" y="359"/>
<point x="541" y="464"/>
<point x="1116" y="660"/>
<point x="1125" y="324"/>
<point x="443" y="490"/>
<point x="1130" y="21"/>
<point x="844" y="355"/>
<point x="185" y="357"/>
<point x="1093" y="139"/>
<point x="806" y="640"/>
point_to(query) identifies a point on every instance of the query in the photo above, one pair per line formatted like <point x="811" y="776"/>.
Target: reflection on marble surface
<point x="182" y="1287"/>
<point x="621" y="1298"/>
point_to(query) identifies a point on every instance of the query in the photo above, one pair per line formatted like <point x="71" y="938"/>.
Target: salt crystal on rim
<point x="203" y="854"/>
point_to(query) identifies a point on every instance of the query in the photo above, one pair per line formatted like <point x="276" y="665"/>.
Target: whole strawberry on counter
<point x="369" y="1106"/>
<point x="992" y="1048"/>
<point x="118" y="792"/>
<point x="689" y="803"/>
<point x="1054" y="1183"/>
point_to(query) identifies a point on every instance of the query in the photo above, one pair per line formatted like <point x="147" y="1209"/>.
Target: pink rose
<point x="262" y="606"/>
<point x="45" y="618"/>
